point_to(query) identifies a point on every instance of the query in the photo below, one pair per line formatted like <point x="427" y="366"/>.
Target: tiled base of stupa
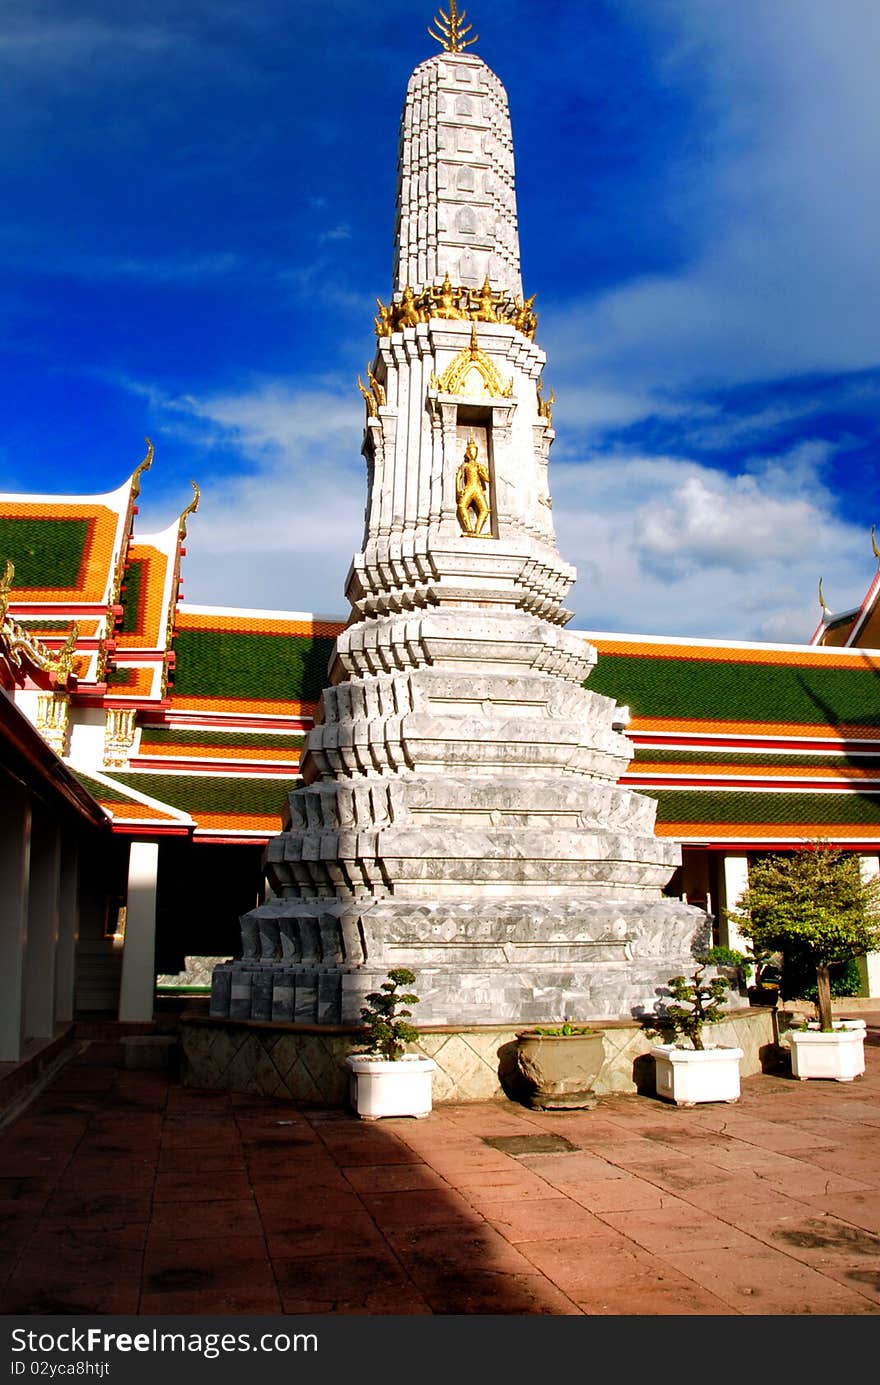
<point x="477" y="961"/>
<point x="473" y="1063"/>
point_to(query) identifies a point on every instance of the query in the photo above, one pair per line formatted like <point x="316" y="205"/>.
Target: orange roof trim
<point x="769" y="831"/>
<point x="256" y="624"/>
<point x="804" y="658"/>
<point x="242" y="707"/>
<point x="758" y="729"/>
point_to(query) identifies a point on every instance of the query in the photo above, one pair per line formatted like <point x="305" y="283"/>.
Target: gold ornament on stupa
<point x="453" y="30"/>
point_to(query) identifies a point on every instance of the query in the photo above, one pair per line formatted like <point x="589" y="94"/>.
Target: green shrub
<point x="799" y="978"/>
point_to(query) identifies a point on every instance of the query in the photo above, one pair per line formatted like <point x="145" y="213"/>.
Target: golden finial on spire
<point x="874" y="548"/>
<point x="453" y="30"/>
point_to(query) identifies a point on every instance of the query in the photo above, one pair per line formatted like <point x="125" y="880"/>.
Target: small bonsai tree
<point x="729" y="960"/>
<point x="815" y="904"/>
<point x="386" y="1020"/>
<point x="766" y="963"/>
<point x="696" y="1001"/>
<point x="760" y="960"/>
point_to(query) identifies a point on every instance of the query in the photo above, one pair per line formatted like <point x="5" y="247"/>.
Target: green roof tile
<point x="259" y="740"/>
<point x="47" y="553"/>
<point x="103" y="792"/>
<point x="716" y="690"/>
<point x="214" y="793"/>
<point x="264" y="667"/>
<point x="707" y="806"/>
<point x="131" y="596"/>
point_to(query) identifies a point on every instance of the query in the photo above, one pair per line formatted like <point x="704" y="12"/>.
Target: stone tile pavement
<point x="122" y="1192"/>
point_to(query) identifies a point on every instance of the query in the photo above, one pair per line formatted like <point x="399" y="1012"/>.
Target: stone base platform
<point x="305" y="1063"/>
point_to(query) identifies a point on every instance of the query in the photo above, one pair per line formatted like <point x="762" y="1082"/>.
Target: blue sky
<point x="198" y="207"/>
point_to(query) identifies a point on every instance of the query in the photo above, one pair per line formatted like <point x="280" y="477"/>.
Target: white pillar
<point x="68" y="929"/>
<point x="15" y="849"/>
<point x="42" y="928"/>
<point x="869" y="965"/>
<point x="138" y="983"/>
<point x="734" y="880"/>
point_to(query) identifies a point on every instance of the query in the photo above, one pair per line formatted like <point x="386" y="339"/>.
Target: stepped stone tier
<point x="459" y="812"/>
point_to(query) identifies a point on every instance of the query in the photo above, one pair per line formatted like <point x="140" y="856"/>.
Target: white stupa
<point x="460" y="812"/>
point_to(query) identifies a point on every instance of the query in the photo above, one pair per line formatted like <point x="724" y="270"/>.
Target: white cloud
<point x="281" y="532"/>
<point x="666" y="546"/>
<point x="662" y="545"/>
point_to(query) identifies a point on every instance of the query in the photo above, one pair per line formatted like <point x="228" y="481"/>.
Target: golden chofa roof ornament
<point x="453" y="30"/>
<point x="190" y="510"/>
<point x="20" y="646"/>
<point x="139" y="471"/>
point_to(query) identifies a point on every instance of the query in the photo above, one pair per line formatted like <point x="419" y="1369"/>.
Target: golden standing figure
<point x="385" y="321"/>
<point x="471" y="492"/>
<point x="445" y="300"/>
<point x="545" y="406"/>
<point x="483" y="303"/>
<point x="407" y="313"/>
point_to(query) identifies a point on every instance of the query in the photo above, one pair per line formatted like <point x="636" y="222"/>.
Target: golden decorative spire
<point x="144" y="466"/>
<point x="453" y="30"/>
<point x="190" y="510"/>
<point x="822" y="599"/>
<point x="874" y="548"/>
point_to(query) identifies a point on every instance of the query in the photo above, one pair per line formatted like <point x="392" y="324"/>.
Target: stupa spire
<point x="456" y="199"/>
<point x="453" y="30"/>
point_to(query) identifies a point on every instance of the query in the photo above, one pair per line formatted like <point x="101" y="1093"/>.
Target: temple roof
<point x="67" y="549"/>
<point x="758" y="744"/>
<point x="739" y="742"/>
<point x="131" y="807"/>
<point x="226" y="805"/>
<point x="77" y="563"/>
<point x="858" y="628"/>
<point x="250" y="663"/>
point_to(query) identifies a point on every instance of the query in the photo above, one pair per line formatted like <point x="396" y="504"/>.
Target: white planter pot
<point x="841" y="1024"/>
<point x="839" y="1055"/>
<point x="385" y="1087"/>
<point x="689" y="1075"/>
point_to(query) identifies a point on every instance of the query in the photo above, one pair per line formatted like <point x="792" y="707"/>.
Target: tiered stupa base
<point x="477" y="961"/>
<point x="464" y="821"/>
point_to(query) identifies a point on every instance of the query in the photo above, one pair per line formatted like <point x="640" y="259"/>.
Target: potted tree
<point x="764" y="962"/>
<point x="558" y="1065"/>
<point x="687" y="1069"/>
<point x="815" y="904"/>
<point x="385" y="1079"/>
